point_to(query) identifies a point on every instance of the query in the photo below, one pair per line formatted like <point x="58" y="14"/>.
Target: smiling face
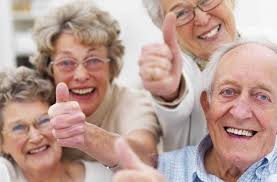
<point x="242" y="114"/>
<point x="87" y="87"/>
<point x="36" y="151"/>
<point x="208" y="31"/>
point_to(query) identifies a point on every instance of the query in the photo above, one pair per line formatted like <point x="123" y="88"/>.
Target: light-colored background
<point x="253" y="17"/>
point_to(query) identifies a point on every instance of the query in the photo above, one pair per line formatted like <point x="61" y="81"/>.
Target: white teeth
<point x="235" y="131"/>
<point x="40" y="149"/>
<point x="82" y="91"/>
<point x="211" y="33"/>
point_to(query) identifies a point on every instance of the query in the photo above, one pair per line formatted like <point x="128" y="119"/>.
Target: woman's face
<point x="27" y="136"/>
<point x="88" y="83"/>
<point x="208" y="30"/>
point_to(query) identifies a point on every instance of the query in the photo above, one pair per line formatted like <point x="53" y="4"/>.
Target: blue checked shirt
<point x="187" y="165"/>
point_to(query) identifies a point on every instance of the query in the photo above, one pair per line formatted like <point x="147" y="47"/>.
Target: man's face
<point x="242" y="112"/>
<point x="208" y="30"/>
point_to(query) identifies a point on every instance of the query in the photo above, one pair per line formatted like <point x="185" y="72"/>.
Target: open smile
<point x="211" y="34"/>
<point x="84" y="91"/>
<point x="240" y="132"/>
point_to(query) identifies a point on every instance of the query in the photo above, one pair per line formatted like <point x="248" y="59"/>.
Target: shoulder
<point x="177" y="164"/>
<point x="126" y="92"/>
<point x="95" y="171"/>
<point x="7" y="170"/>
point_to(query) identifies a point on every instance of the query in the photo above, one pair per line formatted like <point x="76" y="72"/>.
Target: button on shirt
<point x="187" y="165"/>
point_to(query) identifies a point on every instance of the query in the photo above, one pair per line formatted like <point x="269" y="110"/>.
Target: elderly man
<point x="201" y="27"/>
<point x="240" y="105"/>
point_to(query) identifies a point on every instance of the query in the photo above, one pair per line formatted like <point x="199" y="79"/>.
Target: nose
<point x="35" y="135"/>
<point x="201" y="18"/>
<point x="241" y="110"/>
<point x="81" y="74"/>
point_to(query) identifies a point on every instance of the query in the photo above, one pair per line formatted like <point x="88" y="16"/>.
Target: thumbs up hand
<point x="133" y="169"/>
<point x="161" y="64"/>
<point x="67" y="119"/>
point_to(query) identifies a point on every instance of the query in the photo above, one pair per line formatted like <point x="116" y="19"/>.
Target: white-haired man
<point x="240" y="105"/>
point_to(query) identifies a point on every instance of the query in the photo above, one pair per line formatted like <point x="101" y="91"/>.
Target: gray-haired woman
<point x="30" y="153"/>
<point x="78" y="44"/>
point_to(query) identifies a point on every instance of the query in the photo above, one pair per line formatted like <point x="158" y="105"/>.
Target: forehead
<point x="248" y="62"/>
<point x="15" y="111"/>
<point x="169" y="4"/>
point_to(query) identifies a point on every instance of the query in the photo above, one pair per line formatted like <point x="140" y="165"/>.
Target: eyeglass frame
<point x="193" y="13"/>
<point x="77" y="64"/>
<point x="34" y="124"/>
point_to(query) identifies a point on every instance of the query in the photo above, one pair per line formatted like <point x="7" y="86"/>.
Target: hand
<point x="67" y="119"/>
<point x="161" y="64"/>
<point x="133" y="169"/>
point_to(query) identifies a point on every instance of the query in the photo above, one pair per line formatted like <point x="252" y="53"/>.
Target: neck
<point x="61" y="172"/>
<point x="225" y="170"/>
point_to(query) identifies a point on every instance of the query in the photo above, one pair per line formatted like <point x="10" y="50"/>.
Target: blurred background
<point x="17" y="17"/>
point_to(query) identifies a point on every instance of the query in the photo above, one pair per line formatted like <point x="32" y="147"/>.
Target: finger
<point x="67" y="120"/>
<point x="74" y="142"/>
<point x="62" y="93"/>
<point x="127" y="158"/>
<point x="169" y="33"/>
<point x="70" y="132"/>
<point x="154" y="61"/>
<point x="131" y="175"/>
<point x="153" y="74"/>
<point x="64" y="108"/>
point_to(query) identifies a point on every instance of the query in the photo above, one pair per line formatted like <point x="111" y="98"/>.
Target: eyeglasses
<point x="186" y="14"/>
<point x="22" y="128"/>
<point x="91" y="64"/>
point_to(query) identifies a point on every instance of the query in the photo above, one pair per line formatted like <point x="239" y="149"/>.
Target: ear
<point x="204" y="100"/>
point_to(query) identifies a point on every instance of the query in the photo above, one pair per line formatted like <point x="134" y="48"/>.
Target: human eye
<point x="66" y="64"/>
<point x="262" y="97"/>
<point x="204" y="2"/>
<point x="182" y="13"/>
<point x="227" y="92"/>
<point x="19" y="128"/>
<point x="43" y="121"/>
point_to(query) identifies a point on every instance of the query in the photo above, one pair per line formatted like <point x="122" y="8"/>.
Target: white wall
<point x="253" y="17"/>
<point x="6" y="34"/>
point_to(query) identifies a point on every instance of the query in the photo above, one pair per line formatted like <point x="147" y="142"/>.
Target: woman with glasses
<point x="79" y="49"/>
<point x="172" y="71"/>
<point x="30" y="152"/>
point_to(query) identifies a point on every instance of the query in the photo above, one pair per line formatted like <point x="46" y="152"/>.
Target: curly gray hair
<point x="88" y="24"/>
<point x="23" y="84"/>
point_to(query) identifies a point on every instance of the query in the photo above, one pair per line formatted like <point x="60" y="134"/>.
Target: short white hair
<point x="209" y="72"/>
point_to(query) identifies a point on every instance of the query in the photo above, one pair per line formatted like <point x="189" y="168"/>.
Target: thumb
<point x="62" y="93"/>
<point x="127" y="158"/>
<point x="169" y="34"/>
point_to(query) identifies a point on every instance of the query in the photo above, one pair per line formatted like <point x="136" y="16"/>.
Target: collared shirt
<point x="187" y="165"/>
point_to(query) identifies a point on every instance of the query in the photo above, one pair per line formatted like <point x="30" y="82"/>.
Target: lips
<point x="210" y="34"/>
<point x="240" y="132"/>
<point x="38" y="150"/>
<point x="83" y="91"/>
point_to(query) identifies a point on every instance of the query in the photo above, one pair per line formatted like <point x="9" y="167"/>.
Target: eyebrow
<point x="262" y="86"/>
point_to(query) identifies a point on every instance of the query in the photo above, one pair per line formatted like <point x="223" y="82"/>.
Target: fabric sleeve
<point x="137" y="112"/>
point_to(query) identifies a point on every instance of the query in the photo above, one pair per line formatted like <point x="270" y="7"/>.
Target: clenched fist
<point x="161" y="64"/>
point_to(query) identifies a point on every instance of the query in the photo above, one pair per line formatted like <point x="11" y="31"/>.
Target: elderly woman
<point x="30" y="151"/>
<point x="78" y="44"/>
<point x="199" y="27"/>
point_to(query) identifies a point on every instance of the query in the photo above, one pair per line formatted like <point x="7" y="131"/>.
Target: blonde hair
<point x="87" y="23"/>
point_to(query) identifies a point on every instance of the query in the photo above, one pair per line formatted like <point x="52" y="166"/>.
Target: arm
<point x="141" y="141"/>
<point x="71" y="129"/>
